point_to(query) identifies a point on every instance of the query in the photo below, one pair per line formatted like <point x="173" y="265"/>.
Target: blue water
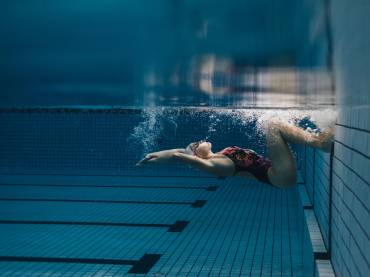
<point x="73" y="204"/>
<point x="164" y="53"/>
<point x="111" y="141"/>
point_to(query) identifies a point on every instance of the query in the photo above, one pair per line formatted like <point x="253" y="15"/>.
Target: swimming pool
<point x="71" y="194"/>
<point x="89" y="87"/>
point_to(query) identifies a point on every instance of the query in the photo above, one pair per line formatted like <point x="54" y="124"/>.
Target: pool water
<point x="73" y="203"/>
<point x="88" y="88"/>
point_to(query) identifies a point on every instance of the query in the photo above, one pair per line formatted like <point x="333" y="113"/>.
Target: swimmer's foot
<point x="326" y="139"/>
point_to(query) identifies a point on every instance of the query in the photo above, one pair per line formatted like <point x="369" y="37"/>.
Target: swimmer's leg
<point x="291" y="133"/>
<point x="283" y="170"/>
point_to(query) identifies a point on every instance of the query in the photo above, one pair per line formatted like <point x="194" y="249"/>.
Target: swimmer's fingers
<point x="142" y="162"/>
<point x="148" y="158"/>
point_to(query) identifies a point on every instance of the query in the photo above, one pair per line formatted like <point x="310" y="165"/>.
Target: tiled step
<point x="324" y="268"/>
<point x="318" y="246"/>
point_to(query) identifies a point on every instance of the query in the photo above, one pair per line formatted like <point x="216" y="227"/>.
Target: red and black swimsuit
<point x="248" y="160"/>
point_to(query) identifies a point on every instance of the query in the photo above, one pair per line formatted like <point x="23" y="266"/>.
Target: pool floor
<point x="54" y="226"/>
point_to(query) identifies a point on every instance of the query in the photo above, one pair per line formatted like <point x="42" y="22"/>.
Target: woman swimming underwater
<point x="278" y="170"/>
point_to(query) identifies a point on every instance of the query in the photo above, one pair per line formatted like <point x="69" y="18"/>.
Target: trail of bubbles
<point x="320" y="118"/>
<point x="313" y="121"/>
<point x="144" y="134"/>
<point x="157" y="121"/>
<point x="214" y="120"/>
<point x="149" y="133"/>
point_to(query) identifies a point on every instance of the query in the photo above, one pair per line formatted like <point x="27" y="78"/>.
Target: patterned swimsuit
<point x="248" y="160"/>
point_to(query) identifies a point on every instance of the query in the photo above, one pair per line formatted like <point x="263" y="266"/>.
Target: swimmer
<point x="278" y="170"/>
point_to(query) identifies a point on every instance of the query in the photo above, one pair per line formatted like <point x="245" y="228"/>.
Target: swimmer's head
<point x="200" y="148"/>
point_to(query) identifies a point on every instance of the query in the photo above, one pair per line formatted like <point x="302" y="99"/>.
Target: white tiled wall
<point x="340" y="190"/>
<point x="350" y="222"/>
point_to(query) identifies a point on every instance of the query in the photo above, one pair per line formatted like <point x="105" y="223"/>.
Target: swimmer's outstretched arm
<point x="161" y="156"/>
<point x="196" y="162"/>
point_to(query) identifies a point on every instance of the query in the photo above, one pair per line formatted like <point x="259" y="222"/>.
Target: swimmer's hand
<point x="148" y="159"/>
<point x="160" y="157"/>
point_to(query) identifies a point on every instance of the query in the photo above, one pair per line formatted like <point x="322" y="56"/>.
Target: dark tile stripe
<point x="66" y="260"/>
<point x="212" y="188"/>
<point x="194" y="204"/>
<point x="143" y="265"/>
<point x="354" y="238"/>
<point x="178" y="226"/>
<point x="209" y="188"/>
<point x="354" y="128"/>
<point x="350" y="169"/>
<point x="349" y="188"/>
<point x="339" y="253"/>
<point x="365" y="232"/>
<point x="313" y="177"/>
<point x="198" y="203"/>
<point x="331" y="187"/>
<point x="107" y="175"/>
<point x="353" y="149"/>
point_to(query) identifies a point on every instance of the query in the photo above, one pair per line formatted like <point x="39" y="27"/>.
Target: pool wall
<point x="350" y="246"/>
<point x="338" y="186"/>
